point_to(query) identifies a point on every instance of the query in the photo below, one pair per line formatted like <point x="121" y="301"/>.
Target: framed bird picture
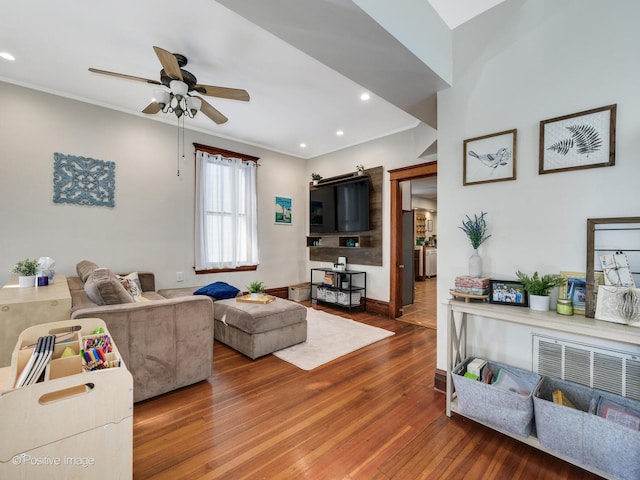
<point x="490" y="158"/>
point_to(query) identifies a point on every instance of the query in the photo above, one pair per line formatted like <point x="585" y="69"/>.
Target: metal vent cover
<point x="596" y="367"/>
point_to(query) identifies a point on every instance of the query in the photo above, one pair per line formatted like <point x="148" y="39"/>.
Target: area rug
<point x="329" y="337"/>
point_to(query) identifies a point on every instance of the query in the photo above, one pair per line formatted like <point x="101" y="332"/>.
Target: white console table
<point x="458" y="316"/>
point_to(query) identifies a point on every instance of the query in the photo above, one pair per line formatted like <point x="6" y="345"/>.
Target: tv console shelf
<point x="460" y="312"/>
<point x="345" y="289"/>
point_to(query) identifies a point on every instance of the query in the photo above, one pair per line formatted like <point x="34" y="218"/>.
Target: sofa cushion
<point x="131" y="284"/>
<point x="218" y="290"/>
<point x="103" y="288"/>
<point x="84" y="269"/>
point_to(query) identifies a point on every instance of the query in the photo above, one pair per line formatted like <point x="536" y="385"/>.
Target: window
<point x="226" y="211"/>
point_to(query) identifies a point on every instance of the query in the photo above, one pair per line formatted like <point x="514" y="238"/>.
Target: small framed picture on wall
<point x="490" y="158"/>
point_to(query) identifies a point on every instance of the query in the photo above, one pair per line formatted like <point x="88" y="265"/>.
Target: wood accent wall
<point x="370" y="250"/>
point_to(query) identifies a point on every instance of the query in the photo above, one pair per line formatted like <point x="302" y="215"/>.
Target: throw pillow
<point x="103" y="288"/>
<point x="140" y="299"/>
<point x="218" y="290"/>
<point x="131" y="284"/>
<point x="84" y="269"/>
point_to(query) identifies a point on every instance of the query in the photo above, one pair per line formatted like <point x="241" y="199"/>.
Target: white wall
<point x="151" y="226"/>
<point x="522" y="62"/>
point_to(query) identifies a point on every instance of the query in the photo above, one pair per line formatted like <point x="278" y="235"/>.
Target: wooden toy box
<point x="74" y="424"/>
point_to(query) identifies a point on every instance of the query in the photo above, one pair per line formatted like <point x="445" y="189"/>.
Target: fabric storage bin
<point x="347" y="298"/>
<point x="494" y="405"/>
<point x="321" y="293"/>
<point x="594" y="441"/>
<point x="331" y="296"/>
<point x="300" y="292"/>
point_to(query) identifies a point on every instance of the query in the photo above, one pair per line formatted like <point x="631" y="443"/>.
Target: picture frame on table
<point x="508" y="292"/>
<point x="575" y="289"/>
<point x="490" y="158"/>
<point x="578" y="141"/>
<point x="283" y="210"/>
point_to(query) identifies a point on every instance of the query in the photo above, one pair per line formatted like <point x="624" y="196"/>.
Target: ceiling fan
<point x="181" y="84"/>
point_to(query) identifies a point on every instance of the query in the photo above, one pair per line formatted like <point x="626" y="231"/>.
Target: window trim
<point x="229" y="154"/>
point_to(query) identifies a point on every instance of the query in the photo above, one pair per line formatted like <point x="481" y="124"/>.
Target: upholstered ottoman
<point x="256" y="329"/>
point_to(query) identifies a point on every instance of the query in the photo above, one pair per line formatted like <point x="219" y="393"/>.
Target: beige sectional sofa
<point x="165" y="343"/>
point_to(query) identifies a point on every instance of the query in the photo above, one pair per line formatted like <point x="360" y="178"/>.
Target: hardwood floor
<point x="372" y="414"/>
<point x="423" y="309"/>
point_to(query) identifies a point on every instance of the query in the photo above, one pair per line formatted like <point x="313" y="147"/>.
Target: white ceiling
<point x="294" y="97"/>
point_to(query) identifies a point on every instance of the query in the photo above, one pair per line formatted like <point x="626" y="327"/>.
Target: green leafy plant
<point x="539" y="285"/>
<point x="256" y="287"/>
<point x="25" y="268"/>
<point x="316" y="176"/>
<point x="475" y="229"/>
<point x="360" y="168"/>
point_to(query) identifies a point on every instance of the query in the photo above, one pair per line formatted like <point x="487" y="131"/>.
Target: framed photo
<point x="508" y="292"/>
<point x="283" y="210"/>
<point x="490" y="158"/>
<point x="575" y="289"/>
<point x="429" y="225"/>
<point x="578" y="141"/>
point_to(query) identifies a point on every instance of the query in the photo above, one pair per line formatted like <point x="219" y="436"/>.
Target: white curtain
<point x="226" y="212"/>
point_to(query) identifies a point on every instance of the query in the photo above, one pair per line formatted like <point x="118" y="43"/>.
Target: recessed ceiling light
<point x="339" y="133"/>
<point x="7" y="56"/>
<point x="365" y="96"/>
<point x="303" y="145"/>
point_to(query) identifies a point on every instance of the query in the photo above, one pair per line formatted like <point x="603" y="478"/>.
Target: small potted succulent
<point x="360" y="169"/>
<point x="26" y="270"/>
<point x="256" y="289"/>
<point x="539" y="288"/>
<point x="316" y="177"/>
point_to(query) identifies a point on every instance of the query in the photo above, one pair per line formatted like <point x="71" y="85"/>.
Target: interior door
<point x="408" y="272"/>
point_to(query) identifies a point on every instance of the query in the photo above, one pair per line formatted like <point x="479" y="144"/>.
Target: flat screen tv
<point x="343" y="207"/>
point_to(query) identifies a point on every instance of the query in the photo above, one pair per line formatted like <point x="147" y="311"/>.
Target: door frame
<point x="396" y="176"/>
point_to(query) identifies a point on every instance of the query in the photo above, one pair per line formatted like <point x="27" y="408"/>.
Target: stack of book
<point x="34" y="369"/>
<point x="472" y="285"/>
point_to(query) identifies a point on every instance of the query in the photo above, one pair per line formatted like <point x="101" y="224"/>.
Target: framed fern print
<point x="581" y="140"/>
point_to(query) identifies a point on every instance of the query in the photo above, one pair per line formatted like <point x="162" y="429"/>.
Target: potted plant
<point x="26" y="270"/>
<point x="316" y="177"/>
<point x="476" y="231"/>
<point x="256" y="289"/>
<point x="539" y="288"/>
<point x="360" y="169"/>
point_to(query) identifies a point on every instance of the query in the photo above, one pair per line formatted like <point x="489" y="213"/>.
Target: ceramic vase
<point x="27" y="281"/>
<point x="539" y="302"/>
<point x="475" y="264"/>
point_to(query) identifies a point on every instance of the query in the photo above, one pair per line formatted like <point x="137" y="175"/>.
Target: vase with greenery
<point x="316" y="177"/>
<point x="26" y="270"/>
<point x="360" y="169"/>
<point x="256" y="288"/>
<point x="539" y="288"/>
<point x="476" y="231"/>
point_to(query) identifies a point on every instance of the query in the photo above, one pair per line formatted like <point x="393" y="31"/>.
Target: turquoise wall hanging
<point x="83" y="181"/>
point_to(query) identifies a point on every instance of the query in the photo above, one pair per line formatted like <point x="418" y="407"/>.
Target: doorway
<point x="396" y="177"/>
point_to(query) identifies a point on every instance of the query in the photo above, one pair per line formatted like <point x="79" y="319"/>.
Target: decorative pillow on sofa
<point x="84" y="269"/>
<point x="103" y="288"/>
<point x="131" y="284"/>
<point x="218" y="290"/>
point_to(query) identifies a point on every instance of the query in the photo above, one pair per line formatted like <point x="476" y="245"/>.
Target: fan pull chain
<point x="178" y="146"/>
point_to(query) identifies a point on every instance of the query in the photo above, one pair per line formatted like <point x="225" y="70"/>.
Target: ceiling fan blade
<point x="169" y="63"/>
<point x="122" y="75"/>
<point x="212" y="113"/>
<point x="223" y="92"/>
<point x="153" y="107"/>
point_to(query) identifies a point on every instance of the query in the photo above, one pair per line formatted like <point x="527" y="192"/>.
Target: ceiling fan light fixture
<point x="178" y="88"/>
<point x="161" y="97"/>
<point x="194" y="104"/>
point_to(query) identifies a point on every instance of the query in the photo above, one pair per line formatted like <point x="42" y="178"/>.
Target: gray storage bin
<point x="589" y="439"/>
<point x="493" y="405"/>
